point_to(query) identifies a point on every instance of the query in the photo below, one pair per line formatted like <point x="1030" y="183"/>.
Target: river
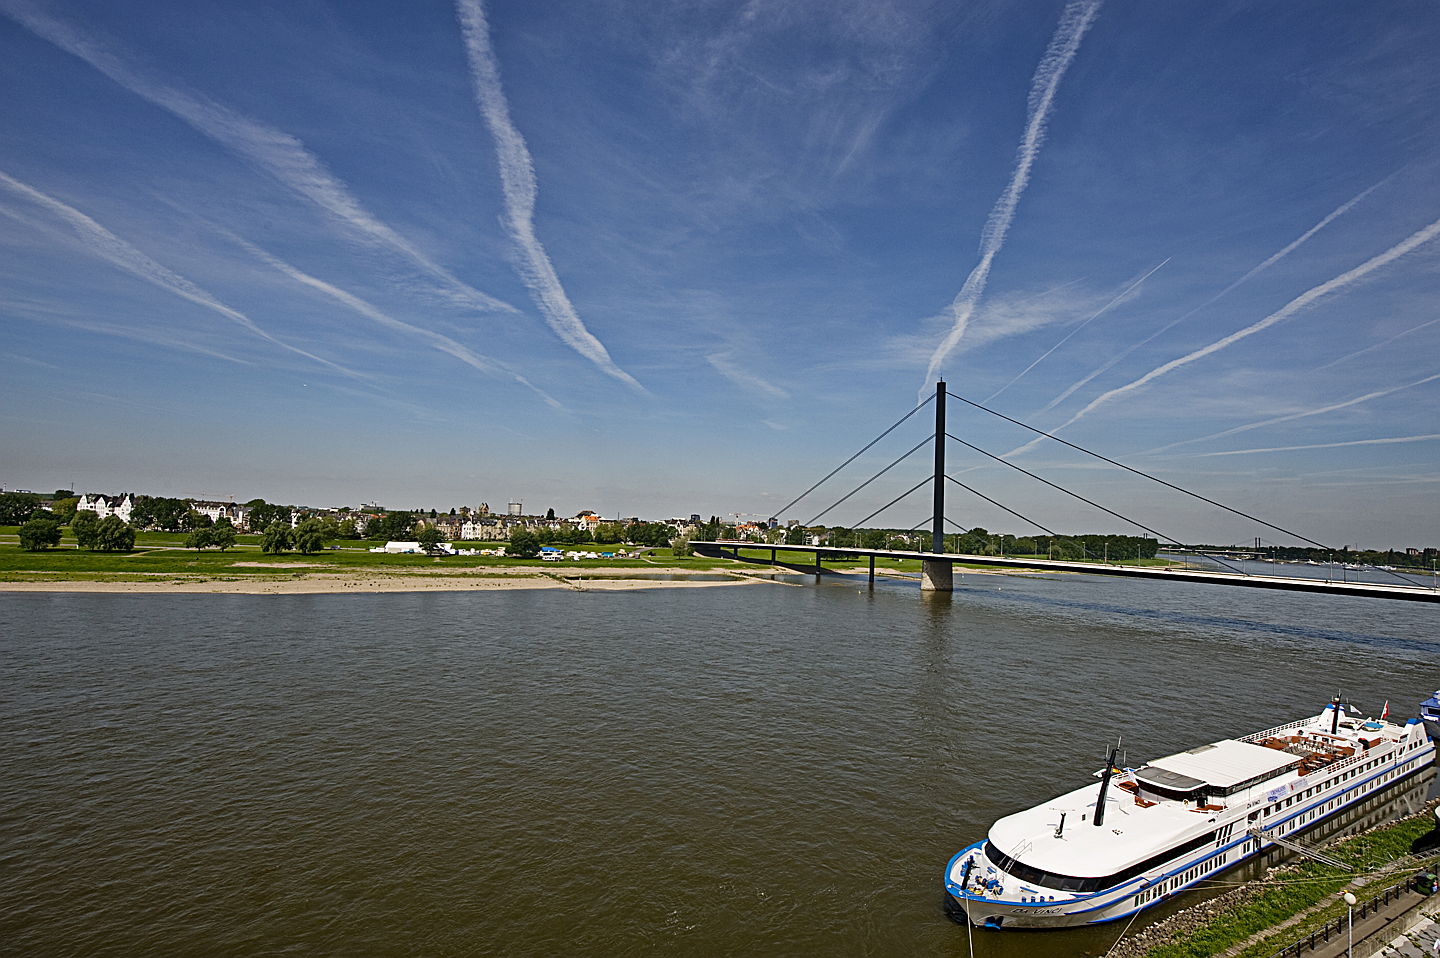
<point x="764" y="769"/>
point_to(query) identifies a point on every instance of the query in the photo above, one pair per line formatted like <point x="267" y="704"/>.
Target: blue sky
<point x="664" y="258"/>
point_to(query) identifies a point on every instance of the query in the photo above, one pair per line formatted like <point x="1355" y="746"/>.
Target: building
<point x="515" y="509"/>
<point x="221" y="510"/>
<point x="105" y="506"/>
<point x="484" y="529"/>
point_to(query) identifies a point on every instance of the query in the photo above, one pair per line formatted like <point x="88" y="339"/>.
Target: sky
<point x="683" y="257"/>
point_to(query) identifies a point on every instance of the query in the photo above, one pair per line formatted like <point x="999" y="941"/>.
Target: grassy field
<point x="164" y="553"/>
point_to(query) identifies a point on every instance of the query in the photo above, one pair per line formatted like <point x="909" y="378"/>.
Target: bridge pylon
<point x="938" y="575"/>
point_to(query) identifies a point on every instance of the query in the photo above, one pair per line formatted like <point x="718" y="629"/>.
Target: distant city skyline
<point x="656" y="259"/>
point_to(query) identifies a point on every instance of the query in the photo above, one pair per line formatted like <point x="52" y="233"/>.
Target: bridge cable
<point x="1032" y="522"/>
<point x="1076" y="495"/>
<point x="1138" y="472"/>
<point x="877" y="475"/>
<point x="999" y="505"/>
<point x="857" y="455"/>
<point x="892" y="502"/>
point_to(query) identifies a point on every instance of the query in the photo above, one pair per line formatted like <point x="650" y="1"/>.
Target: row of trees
<point x="111" y="534"/>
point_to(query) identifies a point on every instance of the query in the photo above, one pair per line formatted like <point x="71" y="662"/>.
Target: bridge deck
<point x="1293" y="584"/>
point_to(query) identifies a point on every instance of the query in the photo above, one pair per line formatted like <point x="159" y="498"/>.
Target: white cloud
<point x="1077" y="18"/>
<point x="273" y="151"/>
<point x="518" y="184"/>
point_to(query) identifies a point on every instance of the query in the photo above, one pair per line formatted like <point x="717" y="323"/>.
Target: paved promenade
<point x="1406" y="928"/>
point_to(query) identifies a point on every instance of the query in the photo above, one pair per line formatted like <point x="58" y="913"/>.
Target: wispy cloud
<point x="116" y="251"/>
<point x="1119" y="298"/>
<point x="1296" y="305"/>
<point x="273" y="151"/>
<point x="1269" y="261"/>
<point x="1377" y="394"/>
<point x="438" y="341"/>
<point x="1077" y="18"/>
<point x="1374" y="346"/>
<point x="519" y="187"/>
<point x="743" y="378"/>
<point x="1391" y="440"/>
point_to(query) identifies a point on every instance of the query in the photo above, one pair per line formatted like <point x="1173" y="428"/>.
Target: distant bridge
<point x="937" y="565"/>
<point x="732" y="549"/>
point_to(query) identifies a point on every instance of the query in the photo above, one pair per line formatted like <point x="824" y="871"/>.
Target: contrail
<point x="118" y="252"/>
<point x="1289" y="248"/>
<point x="1077" y="18"/>
<point x="1377" y="394"/>
<point x="519" y="188"/>
<point x="272" y="151"/>
<point x="1374" y="346"/>
<point x="744" y="378"/>
<point x="441" y="342"/>
<point x="1323" y="445"/>
<point x="1301" y="302"/>
<point x="1064" y="339"/>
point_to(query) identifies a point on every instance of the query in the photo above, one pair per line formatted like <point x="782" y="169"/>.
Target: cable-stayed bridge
<point x="937" y="565"/>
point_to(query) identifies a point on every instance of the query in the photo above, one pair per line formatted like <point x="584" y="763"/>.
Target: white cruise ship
<point x="1140" y="836"/>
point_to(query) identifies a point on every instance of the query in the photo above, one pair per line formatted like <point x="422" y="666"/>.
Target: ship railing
<point x="1281" y="728"/>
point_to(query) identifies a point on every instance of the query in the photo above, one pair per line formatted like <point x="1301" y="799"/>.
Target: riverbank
<point x="1261" y="917"/>
<point x="309" y="581"/>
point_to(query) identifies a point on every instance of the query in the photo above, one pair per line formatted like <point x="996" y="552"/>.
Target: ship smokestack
<point x="1335" y="714"/>
<point x="1105" y="785"/>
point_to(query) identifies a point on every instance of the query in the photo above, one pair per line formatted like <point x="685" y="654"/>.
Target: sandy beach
<point x="310" y="583"/>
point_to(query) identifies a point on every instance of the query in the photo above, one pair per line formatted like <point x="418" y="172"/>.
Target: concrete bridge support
<point x="937" y="575"/>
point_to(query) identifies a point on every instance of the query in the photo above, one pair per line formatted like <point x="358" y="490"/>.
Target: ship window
<point x="1036" y="876"/>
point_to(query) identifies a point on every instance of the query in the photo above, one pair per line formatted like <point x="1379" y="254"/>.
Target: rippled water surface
<point x="763" y="769"/>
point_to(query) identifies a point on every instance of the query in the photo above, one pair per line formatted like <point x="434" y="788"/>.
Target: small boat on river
<point x="1141" y="836"/>
<point x="1430" y="714"/>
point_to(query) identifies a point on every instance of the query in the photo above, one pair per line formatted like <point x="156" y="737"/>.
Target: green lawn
<point x="163" y="553"/>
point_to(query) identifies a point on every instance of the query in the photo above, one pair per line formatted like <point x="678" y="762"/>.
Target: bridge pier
<point x="937" y="575"/>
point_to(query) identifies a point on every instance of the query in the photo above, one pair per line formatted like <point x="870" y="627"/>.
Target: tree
<point x="222" y="536"/>
<point x="430" y="539"/>
<point x="1066" y="549"/>
<point x="523" y="544"/>
<point x="195" y="520"/>
<point x="277" y="538"/>
<point x="16" y="507"/>
<point x="262" y="515"/>
<point x="607" y="533"/>
<point x="549" y="515"/>
<point x="159" y="513"/>
<point x="309" y="536"/>
<point x="681" y="547"/>
<point x="347" y="530"/>
<point x="63" y="509"/>
<point x="63" y="494"/>
<point x="114" y="535"/>
<point x="393" y="526"/>
<point x="795" y="536"/>
<point x="39" y="534"/>
<point x="199" y="539"/>
<point x="84" y="527"/>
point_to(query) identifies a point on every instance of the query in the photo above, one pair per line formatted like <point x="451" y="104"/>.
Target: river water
<point x="762" y="769"/>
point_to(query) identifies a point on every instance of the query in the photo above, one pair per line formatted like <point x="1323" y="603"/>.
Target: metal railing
<point x="1331" y="929"/>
